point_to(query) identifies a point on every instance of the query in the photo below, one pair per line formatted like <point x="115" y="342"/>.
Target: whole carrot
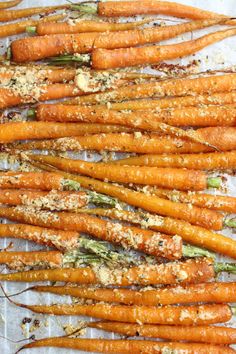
<point x="210" y="161"/>
<point x="191" y="293"/>
<point x="190" y="271"/>
<point x="59" y="44"/>
<point x="170" y="178"/>
<point x="45" y="181"/>
<point x="215" y="202"/>
<point x="138" y="142"/>
<point x="129" y="237"/>
<point x="7" y="4"/>
<point x="39" y="130"/>
<point x="205" y="334"/>
<point x="175" y="87"/>
<point x="126" y="346"/>
<point x="190" y="233"/>
<point x="173" y="315"/>
<point x="62" y="240"/>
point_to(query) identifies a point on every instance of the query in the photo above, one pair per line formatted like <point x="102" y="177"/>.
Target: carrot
<point x="173" y="315"/>
<point x="189" y="233"/>
<point x="224" y="98"/>
<point x="210" y="161"/>
<point x="20" y="27"/>
<point x="148" y="120"/>
<point x="129" y="237"/>
<point x="205" y="334"/>
<point x="126" y="346"/>
<point x="43" y="29"/>
<point x="37" y="48"/>
<point x="39" y="130"/>
<point x="16" y="260"/>
<point x="191" y="293"/>
<point x="7" y="4"/>
<point x="62" y="240"/>
<point x="154" y="204"/>
<point x="175" y="87"/>
<point x="118" y="58"/>
<point x="45" y="181"/>
<point x="196" y="270"/>
<point x="11" y="15"/>
<point x="170" y="178"/>
<point x="215" y="202"/>
<point x="138" y="142"/>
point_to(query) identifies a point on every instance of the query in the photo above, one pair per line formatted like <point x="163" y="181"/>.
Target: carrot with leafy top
<point x="7" y="4"/>
<point x="206" y="334"/>
<point x="215" y="202"/>
<point x="70" y="43"/>
<point x="174" y="87"/>
<point x="125" y="346"/>
<point x="40" y="130"/>
<point x="191" y="293"/>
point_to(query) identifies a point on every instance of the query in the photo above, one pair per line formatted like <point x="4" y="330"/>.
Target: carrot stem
<point x="66" y="59"/>
<point x="230" y="223"/>
<point x="225" y="267"/>
<point x="214" y="182"/>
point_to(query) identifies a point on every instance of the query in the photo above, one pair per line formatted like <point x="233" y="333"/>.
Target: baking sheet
<point x="217" y="56"/>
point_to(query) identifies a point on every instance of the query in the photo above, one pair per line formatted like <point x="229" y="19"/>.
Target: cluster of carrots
<point x="149" y="270"/>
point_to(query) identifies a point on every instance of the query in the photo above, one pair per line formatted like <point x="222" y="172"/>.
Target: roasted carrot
<point x="174" y="315"/>
<point x="205" y="334"/>
<point x="20" y="27"/>
<point x="215" y="202"/>
<point x="16" y="260"/>
<point x="148" y="119"/>
<point x="62" y="240"/>
<point x="39" y="130"/>
<point x="37" y="48"/>
<point x="118" y="58"/>
<point x="210" y="161"/>
<point x="138" y="142"/>
<point x="11" y="15"/>
<point x="126" y="346"/>
<point x="224" y="98"/>
<point x="129" y="237"/>
<point x="152" y="203"/>
<point x="169" y="178"/>
<point x="43" y="29"/>
<point x="196" y="270"/>
<point x="193" y="293"/>
<point x="175" y="87"/>
<point x="7" y="4"/>
<point x="45" y="181"/>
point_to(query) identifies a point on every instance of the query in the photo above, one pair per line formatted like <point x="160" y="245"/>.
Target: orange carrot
<point x="126" y="346"/>
<point x="43" y="29"/>
<point x="16" y="260"/>
<point x="39" y="130"/>
<point x="215" y="202"/>
<point x="173" y="315"/>
<point x="175" y="87"/>
<point x="152" y="203"/>
<point x="37" y="48"/>
<point x="138" y="142"/>
<point x="7" y="4"/>
<point x="190" y="271"/>
<point x="147" y="120"/>
<point x="11" y="15"/>
<point x="20" y="27"/>
<point x="118" y="58"/>
<point x="129" y="237"/>
<point x="205" y="334"/>
<point x="62" y="240"/>
<point x="189" y="233"/>
<point x="169" y="178"/>
<point x="45" y="181"/>
<point x="193" y="293"/>
<point x="210" y="161"/>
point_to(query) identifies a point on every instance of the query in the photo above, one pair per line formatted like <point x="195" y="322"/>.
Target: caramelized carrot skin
<point x="206" y="334"/>
<point x="7" y="4"/>
<point x="16" y="260"/>
<point x="126" y="346"/>
<point x="10" y="15"/>
<point x="31" y="180"/>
